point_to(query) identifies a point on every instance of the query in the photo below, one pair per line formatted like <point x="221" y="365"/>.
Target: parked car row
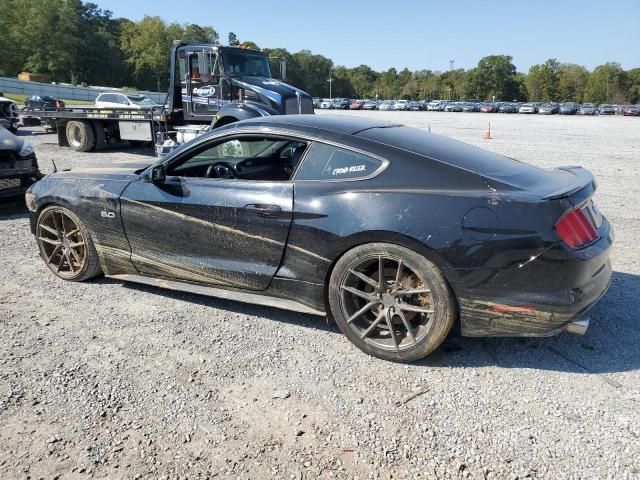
<point x="348" y="104"/>
<point x="567" y="108"/>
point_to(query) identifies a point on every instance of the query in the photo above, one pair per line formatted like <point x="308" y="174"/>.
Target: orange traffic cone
<point x="487" y="134"/>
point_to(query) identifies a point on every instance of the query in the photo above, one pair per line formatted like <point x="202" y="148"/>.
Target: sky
<point x="419" y="34"/>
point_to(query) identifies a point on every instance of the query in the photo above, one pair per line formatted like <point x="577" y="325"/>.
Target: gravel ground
<point x="112" y="380"/>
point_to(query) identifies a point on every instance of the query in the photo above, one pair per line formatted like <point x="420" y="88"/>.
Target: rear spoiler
<point x="583" y="180"/>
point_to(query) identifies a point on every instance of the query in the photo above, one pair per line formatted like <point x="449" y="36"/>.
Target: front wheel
<point x="65" y="245"/>
<point x="391" y="302"/>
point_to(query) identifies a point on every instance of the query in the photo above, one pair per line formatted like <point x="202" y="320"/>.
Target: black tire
<point x="423" y="333"/>
<point x="80" y="135"/>
<point x="90" y="266"/>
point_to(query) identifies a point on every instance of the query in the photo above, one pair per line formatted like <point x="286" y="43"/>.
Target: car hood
<point x="269" y="87"/>
<point x="8" y="141"/>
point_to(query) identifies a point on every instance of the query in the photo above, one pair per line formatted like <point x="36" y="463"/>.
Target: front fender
<point x="97" y="203"/>
<point x="233" y="112"/>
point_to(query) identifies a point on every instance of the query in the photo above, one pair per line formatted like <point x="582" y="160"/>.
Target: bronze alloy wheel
<point x="63" y="244"/>
<point x="390" y="311"/>
<point x="390" y="301"/>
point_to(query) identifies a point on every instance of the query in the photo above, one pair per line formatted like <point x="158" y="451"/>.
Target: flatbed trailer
<point x="89" y="128"/>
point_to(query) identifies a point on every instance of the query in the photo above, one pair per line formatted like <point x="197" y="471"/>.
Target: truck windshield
<point x="247" y="64"/>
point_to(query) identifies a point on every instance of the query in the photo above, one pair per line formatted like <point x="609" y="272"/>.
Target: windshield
<point x="247" y="64"/>
<point x="140" y="100"/>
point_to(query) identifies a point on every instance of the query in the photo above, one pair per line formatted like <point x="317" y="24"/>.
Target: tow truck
<point x="210" y="86"/>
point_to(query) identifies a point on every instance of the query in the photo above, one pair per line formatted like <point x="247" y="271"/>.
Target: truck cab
<point x="219" y="85"/>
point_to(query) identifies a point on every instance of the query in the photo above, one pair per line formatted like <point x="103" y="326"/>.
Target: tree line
<point x="80" y="43"/>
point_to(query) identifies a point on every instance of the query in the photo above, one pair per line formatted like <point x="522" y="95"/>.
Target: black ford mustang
<point x="394" y="232"/>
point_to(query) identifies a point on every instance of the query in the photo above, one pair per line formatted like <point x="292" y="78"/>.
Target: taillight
<point x="576" y="228"/>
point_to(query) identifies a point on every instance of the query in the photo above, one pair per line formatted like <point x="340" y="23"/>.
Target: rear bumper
<point x="542" y="298"/>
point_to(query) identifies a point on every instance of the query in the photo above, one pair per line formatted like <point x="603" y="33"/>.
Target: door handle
<point x="263" y="209"/>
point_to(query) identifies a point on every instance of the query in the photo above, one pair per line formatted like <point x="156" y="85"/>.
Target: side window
<point x="194" y="69"/>
<point x="122" y="99"/>
<point x="242" y="158"/>
<point x="326" y="162"/>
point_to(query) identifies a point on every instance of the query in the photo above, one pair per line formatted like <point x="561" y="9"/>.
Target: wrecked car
<point x="394" y="232"/>
<point x="18" y="165"/>
<point x="9" y="114"/>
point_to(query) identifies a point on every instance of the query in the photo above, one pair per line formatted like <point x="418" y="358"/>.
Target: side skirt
<point x="235" y="295"/>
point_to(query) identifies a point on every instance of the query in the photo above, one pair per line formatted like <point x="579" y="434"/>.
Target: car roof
<point x="332" y="123"/>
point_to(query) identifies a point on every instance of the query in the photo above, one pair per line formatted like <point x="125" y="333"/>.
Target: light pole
<point x="330" y="82"/>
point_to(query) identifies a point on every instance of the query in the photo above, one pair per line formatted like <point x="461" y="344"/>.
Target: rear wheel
<point x="65" y="245"/>
<point x="391" y="302"/>
<point x="80" y="135"/>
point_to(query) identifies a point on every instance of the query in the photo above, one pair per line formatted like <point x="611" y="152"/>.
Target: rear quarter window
<point x="328" y="162"/>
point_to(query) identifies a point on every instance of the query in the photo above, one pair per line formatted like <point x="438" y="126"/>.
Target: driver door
<point x="203" y="225"/>
<point x="201" y="83"/>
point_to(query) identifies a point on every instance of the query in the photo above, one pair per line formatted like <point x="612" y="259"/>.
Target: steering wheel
<point x="220" y="170"/>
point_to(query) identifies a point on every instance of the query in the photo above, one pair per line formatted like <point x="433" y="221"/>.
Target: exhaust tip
<point x="578" y="327"/>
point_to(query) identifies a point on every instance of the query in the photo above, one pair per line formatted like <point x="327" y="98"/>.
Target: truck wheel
<point x="80" y="136"/>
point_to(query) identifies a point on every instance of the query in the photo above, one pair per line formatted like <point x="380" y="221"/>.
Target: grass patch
<point x="19" y="97"/>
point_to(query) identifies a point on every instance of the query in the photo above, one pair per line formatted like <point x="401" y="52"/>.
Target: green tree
<point x="428" y="84"/>
<point x="99" y="60"/>
<point x="275" y="55"/>
<point x="495" y="75"/>
<point x="607" y="84"/>
<point x="362" y="79"/>
<point x="146" y="45"/>
<point x="386" y="85"/>
<point x="233" y="40"/>
<point x="572" y="80"/>
<point x="197" y="33"/>
<point x="50" y="38"/>
<point x="310" y="72"/>
<point x="13" y="50"/>
<point x="453" y="85"/>
<point x="543" y="81"/>
<point x="633" y="77"/>
<point x="522" y="94"/>
<point x="342" y="86"/>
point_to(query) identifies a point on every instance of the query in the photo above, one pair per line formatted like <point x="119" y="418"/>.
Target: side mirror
<point x="158" y="174"/>
<point x="204" y="65"/>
